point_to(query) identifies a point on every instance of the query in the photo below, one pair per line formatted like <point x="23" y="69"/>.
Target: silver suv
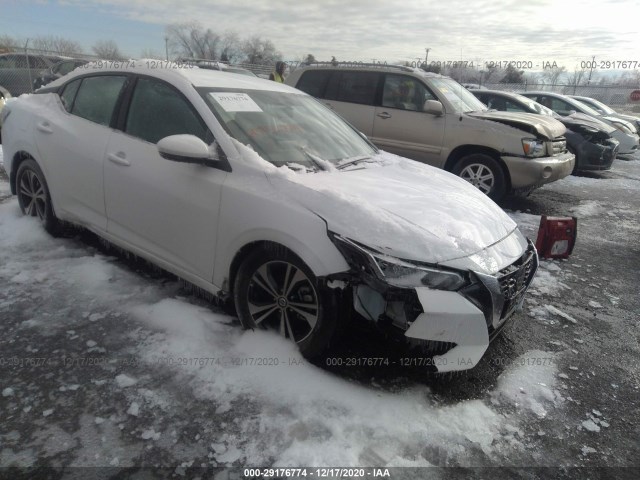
<point x="433" y="119"/>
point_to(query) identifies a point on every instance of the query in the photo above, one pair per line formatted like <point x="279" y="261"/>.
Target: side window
<point x="158" y="110"/>
<point x="97" y="97"/>
<point x="65" y="67"/>
<point x="69" y="94"/>
<point x="314" y="82"/>
<point x="353" y="87"/>
<point x="514" y="107"/>
<point x="21" y="61"/>
<point x="405" y="93"/>
<point x="560" y="106"/>
<point x="37" y="62"/>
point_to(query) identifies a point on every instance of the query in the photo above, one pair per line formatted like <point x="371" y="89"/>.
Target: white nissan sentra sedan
<point x="257" y="193"/>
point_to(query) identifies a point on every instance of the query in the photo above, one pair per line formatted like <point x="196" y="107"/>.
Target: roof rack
<point x="362" y="64"/>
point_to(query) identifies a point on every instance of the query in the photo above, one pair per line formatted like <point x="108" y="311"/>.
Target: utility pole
<point x="426" y="56"/>
<point x="593" y="62"/>
<point x="166" y="47"/>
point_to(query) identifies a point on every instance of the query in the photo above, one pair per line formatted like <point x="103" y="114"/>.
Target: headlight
<point x="623" y="128"/>
<point x="533" y="147"/>
<point x="397" y="272"/>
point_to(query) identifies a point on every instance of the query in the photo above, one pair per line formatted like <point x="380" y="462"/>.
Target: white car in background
<point x="604" y="109"/>
<point x="564" y="105"/>
<point x="254" y="191"/>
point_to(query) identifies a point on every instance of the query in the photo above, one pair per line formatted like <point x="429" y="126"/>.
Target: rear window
<point x="97" y="98"/>
<point x="314" y="82"/>
<point x="353" y="87"/>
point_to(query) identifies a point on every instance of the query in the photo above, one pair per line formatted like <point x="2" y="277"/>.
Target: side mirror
<point x="434" y="107"/>
<point x="187" y="149"/>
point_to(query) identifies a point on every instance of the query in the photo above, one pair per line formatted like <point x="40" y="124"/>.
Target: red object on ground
<point x="635" y="96"/>
<point x="556" y="236"/>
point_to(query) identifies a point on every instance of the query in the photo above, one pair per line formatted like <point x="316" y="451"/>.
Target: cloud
<point x="540" y="30"/>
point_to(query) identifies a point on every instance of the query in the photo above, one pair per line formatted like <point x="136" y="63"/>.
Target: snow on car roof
<point x="173" y="73"/>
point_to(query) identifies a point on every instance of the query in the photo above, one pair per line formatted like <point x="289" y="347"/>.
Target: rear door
<point x="401" y="127"/>
<point x="71" y="136"/>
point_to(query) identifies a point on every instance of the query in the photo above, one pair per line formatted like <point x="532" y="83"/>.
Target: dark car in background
<point x="57" y="70"/>
<point x="588" y="138"/>
<point x="18" y="70"/>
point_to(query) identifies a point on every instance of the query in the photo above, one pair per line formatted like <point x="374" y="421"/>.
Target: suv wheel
<point x="274" y="288"/>
<point x="33" y="196"/>
<point x="484" y="173"/>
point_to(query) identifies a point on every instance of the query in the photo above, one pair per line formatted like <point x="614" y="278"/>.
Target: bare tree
<point x="553" y="74"/>
<point x="151" y="53"/>
<point x="191" y="40"/>
<point x="107" y="49"/>
<point x="8" y="43"/>
<point x="260" y="52"/>
<point x="54" y="44"/>
<point x="230" y="47"/>
<point x="578" y="77"/>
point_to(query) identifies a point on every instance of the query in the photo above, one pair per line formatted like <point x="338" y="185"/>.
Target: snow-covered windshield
<point x="286" y="128"/>
<point x="461" y="98"/>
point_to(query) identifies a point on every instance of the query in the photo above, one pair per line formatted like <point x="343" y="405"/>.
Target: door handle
<point x="119" y="158"/>
<point x="329" y="105"/>
<point x="44" y="127"/>
<point x="384" y="115"/>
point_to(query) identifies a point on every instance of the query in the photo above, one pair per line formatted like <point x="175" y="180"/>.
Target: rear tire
<point x="34" y="198"/>
<point x="274" y="288"/>
<point x="484" y="173"/>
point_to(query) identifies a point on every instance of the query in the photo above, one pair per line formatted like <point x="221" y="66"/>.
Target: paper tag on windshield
<point x="235" y="102"/>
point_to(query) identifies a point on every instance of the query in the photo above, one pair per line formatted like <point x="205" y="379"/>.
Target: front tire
<point x="484" y="173"/>
<point x="34" y="198"/>
<point x="274" y="288"/>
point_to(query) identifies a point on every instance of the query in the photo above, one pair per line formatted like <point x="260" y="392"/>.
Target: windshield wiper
<point x="353" y="161"/>
<point x="318" y="162"/>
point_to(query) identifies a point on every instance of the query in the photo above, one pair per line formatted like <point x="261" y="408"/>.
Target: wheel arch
<point x="464" y="150"/>
<point x="321" y="264"/>
<point x="19" y="157"/>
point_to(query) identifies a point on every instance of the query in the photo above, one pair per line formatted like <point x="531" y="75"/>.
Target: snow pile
<point x="588" y="209"/>
<point x="306" y="416"/>
<point x="529" y="383"/>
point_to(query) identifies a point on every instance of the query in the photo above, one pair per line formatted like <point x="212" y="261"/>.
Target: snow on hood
<point x="544" y="125"/>
<point x="401" y="207"/>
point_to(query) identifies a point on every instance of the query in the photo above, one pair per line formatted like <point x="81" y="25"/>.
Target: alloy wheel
<point x="479" y="176"/>
<point x="32" y="195"/>
<point x="280" y="294"/>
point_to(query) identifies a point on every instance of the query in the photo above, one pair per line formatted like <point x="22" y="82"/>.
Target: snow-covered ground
<point x="109" y="364"/>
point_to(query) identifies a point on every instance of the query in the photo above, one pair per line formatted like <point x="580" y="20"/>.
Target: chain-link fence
<point x="25" y="70"/>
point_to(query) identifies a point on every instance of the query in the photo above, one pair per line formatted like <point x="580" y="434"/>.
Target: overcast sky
<point x="536" y="30"/>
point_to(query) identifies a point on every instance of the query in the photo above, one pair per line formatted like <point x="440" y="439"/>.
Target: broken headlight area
<point x="396" y="272"/>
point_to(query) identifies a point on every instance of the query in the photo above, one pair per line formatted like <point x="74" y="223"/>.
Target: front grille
<point x="559" y="146"/>
<point x="514" y="280"/>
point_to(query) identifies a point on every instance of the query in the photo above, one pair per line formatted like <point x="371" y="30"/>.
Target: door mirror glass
<point x="434" y="107"/>
<point x="187" y="149"/>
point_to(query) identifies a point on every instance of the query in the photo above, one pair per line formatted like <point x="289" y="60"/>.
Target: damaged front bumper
<point x="455" y="325"/>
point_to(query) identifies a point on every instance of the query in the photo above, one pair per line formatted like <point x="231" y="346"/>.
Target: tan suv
<point x="433" y="119"/>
